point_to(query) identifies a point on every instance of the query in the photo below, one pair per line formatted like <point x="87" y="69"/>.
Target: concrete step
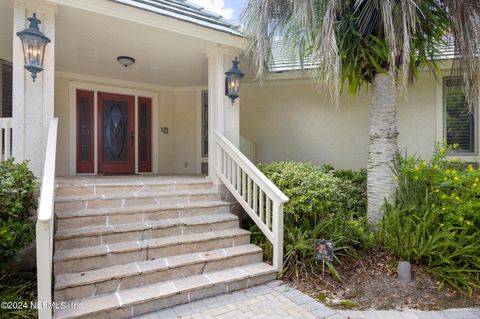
<point x="136" y="301"/>
<point x="109" y="234"/>
<point x="138" y="214"/>
<point x="117" y="278"/>
<point x="74" y="203"/>
<point x="96" y="257"/>
<point x="97" y="186"/>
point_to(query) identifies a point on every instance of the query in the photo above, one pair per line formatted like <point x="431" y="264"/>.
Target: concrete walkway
<point x="276" y="300"/>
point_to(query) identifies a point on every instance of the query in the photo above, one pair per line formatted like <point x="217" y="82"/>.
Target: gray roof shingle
<point x="185" y="11"/>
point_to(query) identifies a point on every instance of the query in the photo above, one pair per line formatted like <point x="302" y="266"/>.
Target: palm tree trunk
<point x="383" y="146"/>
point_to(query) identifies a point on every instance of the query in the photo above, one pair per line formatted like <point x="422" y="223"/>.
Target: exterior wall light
<point x="126" y="61"/>
<point x="33" y="44"/>
<point x="232" y="81"/>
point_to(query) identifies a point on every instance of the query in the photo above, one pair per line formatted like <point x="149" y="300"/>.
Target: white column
<point x="232" y="120"/>
<point x="222" y="115"/>
<point x="33" y="102"/>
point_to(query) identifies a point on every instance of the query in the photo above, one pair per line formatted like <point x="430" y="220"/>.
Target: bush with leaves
<point x="17" y="202"/>
<point x="323" y="204"/>
<point x="353" y="186"/>
<point x="435" y="219"/>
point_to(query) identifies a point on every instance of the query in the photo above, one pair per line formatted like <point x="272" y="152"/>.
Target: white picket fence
<point x="259" y="197"/>
<point x="5" y="138"/>
<point x="45" y="225"/>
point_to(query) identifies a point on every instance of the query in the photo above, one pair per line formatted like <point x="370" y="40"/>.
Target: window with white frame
<point x="5" y="89"/>
<point x="459" y="122"/>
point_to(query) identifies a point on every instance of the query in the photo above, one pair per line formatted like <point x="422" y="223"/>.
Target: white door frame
<point x="72" y="121"/>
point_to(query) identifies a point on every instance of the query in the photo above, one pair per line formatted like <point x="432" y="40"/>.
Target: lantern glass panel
<point x="233" y="83"/>
<point x="34" y="51"/>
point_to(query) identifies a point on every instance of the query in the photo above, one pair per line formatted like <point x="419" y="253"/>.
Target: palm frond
<point x="465" y="24"/>
<point x="351" y="40"/>
<point x="326" y="49"/>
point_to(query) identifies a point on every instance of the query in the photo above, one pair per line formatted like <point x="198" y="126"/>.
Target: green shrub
<point x="323" y="204"/>
<point x="17" y="201"/>
<point x="435" y="219"/>
<point x="353" y="185"/>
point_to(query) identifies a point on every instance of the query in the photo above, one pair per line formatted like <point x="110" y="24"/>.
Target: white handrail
<point x="45" y="227"/>
<point x="259" y="197"/>
<point x="5" y="138"/>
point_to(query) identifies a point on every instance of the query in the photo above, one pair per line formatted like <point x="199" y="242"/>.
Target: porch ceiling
<point x="89" y="43"/>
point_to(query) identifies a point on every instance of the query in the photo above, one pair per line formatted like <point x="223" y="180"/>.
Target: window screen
<point x="459" y="122"/>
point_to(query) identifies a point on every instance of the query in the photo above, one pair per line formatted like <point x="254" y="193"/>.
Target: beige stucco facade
<point x="296" y="120"/>
<point x="287" y="120"/>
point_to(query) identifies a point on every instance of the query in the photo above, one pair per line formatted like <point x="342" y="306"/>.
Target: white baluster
<point x="255" y="195"/>
<point x="261" y="203"/>
<point x="269" y="216"/>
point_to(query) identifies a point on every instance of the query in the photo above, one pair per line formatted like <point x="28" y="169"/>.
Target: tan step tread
<point x="76" y="198"/>
<point x="63" y="281"/>
<point x="131" y="300"/>
<point x="123" y="228"/>
<point x="141" y="181"/>
<point x="78" y="253"/>
<point x="139" y="209"/>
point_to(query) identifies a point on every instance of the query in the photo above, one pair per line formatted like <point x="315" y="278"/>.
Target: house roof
<point x="185" y="11"/>
<point x="283" y="61"/>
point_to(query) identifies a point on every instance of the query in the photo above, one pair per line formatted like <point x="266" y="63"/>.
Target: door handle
<point x="132" y="135"/>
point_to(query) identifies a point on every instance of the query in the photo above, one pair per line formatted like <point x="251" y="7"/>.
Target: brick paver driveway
<point x="278" y="301"/>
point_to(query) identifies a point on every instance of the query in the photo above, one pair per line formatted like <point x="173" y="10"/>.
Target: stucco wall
<point x="297" y="121"/>
<point x="6" y="30"/>
<point x="287" y="121"/>
<point x="166" y="118"/>
<point x="186" y="122"/>
<point x="61" y="111"/>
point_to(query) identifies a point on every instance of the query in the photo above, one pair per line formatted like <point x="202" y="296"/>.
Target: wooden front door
<point x="116" y="134"/>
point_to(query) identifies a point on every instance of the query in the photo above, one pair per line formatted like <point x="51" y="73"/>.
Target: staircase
<point x="125" y="246"/>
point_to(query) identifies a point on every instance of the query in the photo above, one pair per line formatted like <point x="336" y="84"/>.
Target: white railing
<point x="259" y="197"/>
<point x="5" y="138"/>
<point x="45" y="227"/>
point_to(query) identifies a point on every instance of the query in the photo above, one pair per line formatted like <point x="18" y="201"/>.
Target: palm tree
<point x="381" y="43"/>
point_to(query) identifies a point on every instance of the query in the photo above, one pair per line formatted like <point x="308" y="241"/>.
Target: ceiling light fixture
<point x="126" y="61"/>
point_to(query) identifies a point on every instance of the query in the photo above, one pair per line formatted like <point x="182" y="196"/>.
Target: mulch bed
<point x="370" y="282"/>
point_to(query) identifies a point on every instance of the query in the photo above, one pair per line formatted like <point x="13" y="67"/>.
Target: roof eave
<point x="220" y="26"/>
<point x="133" y="14"/>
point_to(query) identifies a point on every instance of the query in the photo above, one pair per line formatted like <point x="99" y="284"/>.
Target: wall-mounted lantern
<point x="232" y="81"/>
<point x="33" y="44"/>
